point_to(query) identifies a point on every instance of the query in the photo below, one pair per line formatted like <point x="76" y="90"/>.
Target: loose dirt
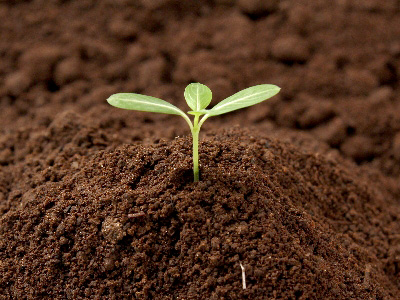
<point x="302" y="190"/>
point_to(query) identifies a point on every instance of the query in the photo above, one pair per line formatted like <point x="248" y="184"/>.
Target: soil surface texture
<point x="299" y="196"/>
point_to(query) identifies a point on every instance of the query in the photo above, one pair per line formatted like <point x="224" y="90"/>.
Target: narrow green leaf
<point x="244" y="98"/>
<point x="143" y="103"/>
<point x="198" y="96"/>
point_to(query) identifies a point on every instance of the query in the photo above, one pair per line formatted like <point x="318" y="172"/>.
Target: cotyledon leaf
<point x="198" y="96"/>
<point x="140" y="102"/>
<point x="244" y="98"/>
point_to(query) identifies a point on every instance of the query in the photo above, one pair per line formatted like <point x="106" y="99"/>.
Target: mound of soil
<point x="99" y="203"/>
<point x="129" y="222"/>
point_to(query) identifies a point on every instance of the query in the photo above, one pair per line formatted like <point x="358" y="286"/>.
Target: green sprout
<point x="198" y="97"/>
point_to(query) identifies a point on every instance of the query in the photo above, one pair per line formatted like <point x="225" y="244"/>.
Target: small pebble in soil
<point x="112" y="230"/>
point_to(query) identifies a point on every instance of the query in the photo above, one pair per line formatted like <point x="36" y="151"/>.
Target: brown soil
<point x="99" y="203"/>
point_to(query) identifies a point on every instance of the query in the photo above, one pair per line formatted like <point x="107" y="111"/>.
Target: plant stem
<point x="195" y="134"/>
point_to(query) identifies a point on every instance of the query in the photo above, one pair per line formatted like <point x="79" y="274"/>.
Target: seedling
<point x="198" y="97"/>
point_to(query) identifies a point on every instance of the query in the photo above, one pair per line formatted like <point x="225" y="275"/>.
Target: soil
<point x="302" y="190"/>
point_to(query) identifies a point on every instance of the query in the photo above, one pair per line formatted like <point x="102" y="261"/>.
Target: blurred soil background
<point x="337" y="62"/>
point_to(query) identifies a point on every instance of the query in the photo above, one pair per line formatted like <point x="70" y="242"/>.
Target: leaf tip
<point x="110" y="100"/>
<point x="276" y="89"/>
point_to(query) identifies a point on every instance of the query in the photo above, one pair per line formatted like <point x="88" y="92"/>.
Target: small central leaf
<point x="198" y="96"/>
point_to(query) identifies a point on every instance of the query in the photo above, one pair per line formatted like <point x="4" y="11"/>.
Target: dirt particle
<point x="381" y="96"/>
<point x="68" y="70"/>
<point x="396" y="146"/>
<point x="215" y="260"/>
<point x="16" y="83"/>
<point x="5" y="156"/>
<point x="333" y="132"/>
<point x="136" y="53"/>
<point x="215" y="243"/>
<point x="112" y="230"/>
<point x="63" y="241"/>
<point x="38" y="62"/>
<point x="359" y="148"/>
<point x="361" y="81"/>
<point x="318" y="112"/>
<point x="123" y="29"/>
<point x="242" y="229"/>
<point x="291" y="49"/>
<point x="109" y="263"/>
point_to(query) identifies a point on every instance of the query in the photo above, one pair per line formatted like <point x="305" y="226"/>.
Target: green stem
<point x="195" y="134"/>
